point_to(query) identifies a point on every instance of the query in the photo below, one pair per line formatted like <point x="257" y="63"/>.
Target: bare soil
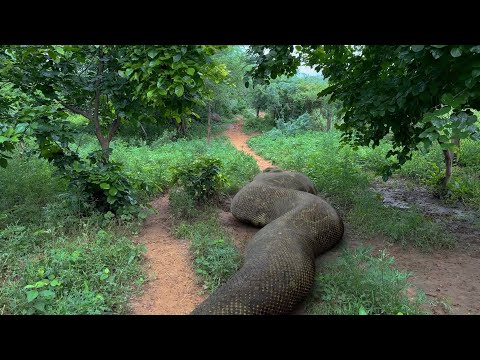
<point x="171" y="287"/>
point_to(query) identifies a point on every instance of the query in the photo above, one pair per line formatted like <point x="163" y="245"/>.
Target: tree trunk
<point x="209" y="123"/>
<point x="258" y="112"/>
<point x="182" y="128"/>
<point x="104" y="142"/>
<point x="329" y="120"/>
<point x="448" y="168"/>
<point x="456" y="141"/>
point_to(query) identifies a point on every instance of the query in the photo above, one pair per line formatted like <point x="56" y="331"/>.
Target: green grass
<point x="155" y="164"/>
<point x="45" y="238"/>
<point x="55" y="258"/>
<point x="26" y="189"/>
<point x="90" y="273"/>
<point x="215" y="258"/>
<point x="359" y="283"/>
<point x="343" y="177"/>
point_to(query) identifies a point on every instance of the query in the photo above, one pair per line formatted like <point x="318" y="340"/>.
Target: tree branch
<point x="113" y="128"/>
<point x="76" y="110"/>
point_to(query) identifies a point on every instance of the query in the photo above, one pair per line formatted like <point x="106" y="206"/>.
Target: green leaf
<point x="3" y="139"/>
<point x="475" y="49"/>
<point x="190" y="71"/>
<point x="362" y="311"/>
<point x="417" y="48"/>
<point x="111" y="200"/>
<point x="149" y="94"/>
<point x="152" y="53"/>
<point x="113" y="191"/>
<point x="104" y="186"/>
<point x="32" y="295"/>
<point x="40" y="306"/>
<point x="442" y="111"/>
<point x="456" y="52"/>
<point x="55" y="282"/>
<point x="177" y="57"/>
<point x="47" y="294"/>
<point x="179" y="90"/>
<point x="436" y="53"/>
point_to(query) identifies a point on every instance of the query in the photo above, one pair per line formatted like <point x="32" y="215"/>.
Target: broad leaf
<point x="179" y="90"/>
<point x="104" y="186"/>
<point x="32" y="295"/>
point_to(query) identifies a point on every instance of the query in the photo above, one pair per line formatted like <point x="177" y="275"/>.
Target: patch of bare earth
<point x="171" y="287"/>
<point x="451" y="278"/>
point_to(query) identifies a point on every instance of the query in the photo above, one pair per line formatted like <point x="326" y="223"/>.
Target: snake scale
<point x="279" y="264"/>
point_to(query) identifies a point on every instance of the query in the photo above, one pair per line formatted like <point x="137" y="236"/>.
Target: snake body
<point x="279" y="263"/>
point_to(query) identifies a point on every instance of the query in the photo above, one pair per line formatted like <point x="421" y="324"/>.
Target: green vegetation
<point x="54" y="259"/>
<point x="81" y="261"/>
<point x="215" y="258"/>
<point x="89" y="134"/>
<point x="339" y="173"/>
<point x="202" y="179"/>
<point x="360" y="283"/>
<point x="412" y="95"/>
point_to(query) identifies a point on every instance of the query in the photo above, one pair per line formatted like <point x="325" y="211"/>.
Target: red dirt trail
<point x="171" y="287"/>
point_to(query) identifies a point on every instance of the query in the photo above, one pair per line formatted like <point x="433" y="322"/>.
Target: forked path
<point x="171" y="287"/>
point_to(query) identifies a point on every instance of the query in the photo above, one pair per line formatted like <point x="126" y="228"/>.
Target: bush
<point x="253" y="124"/>
<point x="301" y="124"/>
<point x="202" y="179"/>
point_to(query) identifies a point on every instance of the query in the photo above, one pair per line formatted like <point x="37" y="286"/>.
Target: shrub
<point x="202" y="179"/>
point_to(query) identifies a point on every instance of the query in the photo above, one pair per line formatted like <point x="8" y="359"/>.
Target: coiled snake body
<point x="279" y="264"/>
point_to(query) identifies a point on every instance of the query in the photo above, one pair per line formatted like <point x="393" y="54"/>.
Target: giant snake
<point x="279" y="264"/>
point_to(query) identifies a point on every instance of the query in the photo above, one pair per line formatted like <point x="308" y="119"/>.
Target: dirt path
<point x="450" y="278"/>
<point x="171" y="287"/>
<point x="239" y="140"/>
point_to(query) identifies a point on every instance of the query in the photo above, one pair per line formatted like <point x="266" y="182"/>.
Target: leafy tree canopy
<point x="417" y="93"/>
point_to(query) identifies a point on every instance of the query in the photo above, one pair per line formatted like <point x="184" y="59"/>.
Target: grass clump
<point x="358" y="283"/>
<point x="216" y="259"/>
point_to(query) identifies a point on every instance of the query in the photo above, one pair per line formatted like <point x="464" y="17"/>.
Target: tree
<point x="107" y="85"/>
<point x="173" y="79"/>
<point x="417" y="93"/>
<point x="111" y="84"/>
